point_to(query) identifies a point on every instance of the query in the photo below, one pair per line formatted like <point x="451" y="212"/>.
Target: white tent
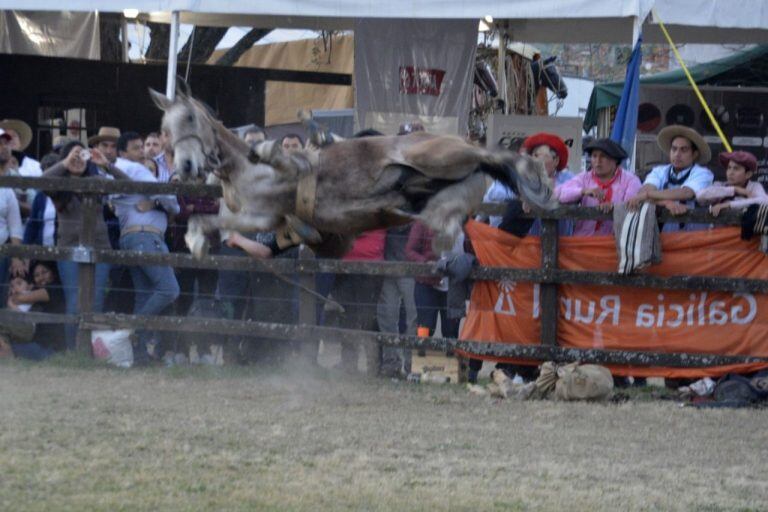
<point x="562" y="21"/>
<point x="617" y="21"/>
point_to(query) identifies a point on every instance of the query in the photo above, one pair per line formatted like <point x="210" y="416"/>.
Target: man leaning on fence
<point x="676" y="184"/>
<point x="143" y="221"/>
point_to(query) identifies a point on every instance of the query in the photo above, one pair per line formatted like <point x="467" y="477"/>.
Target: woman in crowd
<point x="78" y="163"/>
<point x="44" y="296"/>
<point x="551" y="151"/>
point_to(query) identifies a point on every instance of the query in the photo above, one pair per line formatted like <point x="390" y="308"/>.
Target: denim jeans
<point x="5" y="267"/>
<point x="396" y="291"/>
<point x="233" y="285"/>
<point x="32" y="351"/>
<point x="69" y="272"/>
<point x="156" y="287"/>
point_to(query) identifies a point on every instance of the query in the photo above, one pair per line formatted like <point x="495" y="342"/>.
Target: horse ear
<point x="162" y="101"/>
<point x="183" y="87"/>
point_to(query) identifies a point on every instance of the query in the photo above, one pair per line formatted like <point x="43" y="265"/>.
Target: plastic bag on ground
<point x="113" y="346"/>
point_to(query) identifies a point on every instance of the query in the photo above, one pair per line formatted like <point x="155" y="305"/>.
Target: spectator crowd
<point x="157" y="223"/>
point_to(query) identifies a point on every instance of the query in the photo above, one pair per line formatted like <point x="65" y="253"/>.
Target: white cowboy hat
<point x="21" y="128"/>
<point x="668" y="134"/>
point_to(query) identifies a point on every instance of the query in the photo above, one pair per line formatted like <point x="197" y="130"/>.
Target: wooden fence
<point x="549" y="277"/>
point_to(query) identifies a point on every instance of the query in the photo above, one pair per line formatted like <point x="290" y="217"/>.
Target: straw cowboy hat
<point x="105" y="133"/>
<point x="668" y="134"/>
<point x="553" y="141"/>
<point x="21" y="128"/>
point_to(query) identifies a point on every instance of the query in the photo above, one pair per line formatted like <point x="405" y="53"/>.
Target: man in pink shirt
<point x="605" y="184"/>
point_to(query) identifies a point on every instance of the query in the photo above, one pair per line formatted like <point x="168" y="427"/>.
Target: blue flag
<point x="625" y="124"/>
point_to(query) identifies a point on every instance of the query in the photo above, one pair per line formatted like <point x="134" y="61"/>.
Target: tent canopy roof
<point x="747" y="68"/>
<point x="544" y="21"/>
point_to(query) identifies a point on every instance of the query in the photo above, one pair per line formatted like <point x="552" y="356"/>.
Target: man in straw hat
<point x="21" y="137"/>
<point x="676" y="184"/>
<point x="106" y="142"/>
<point x="21" y="164"/>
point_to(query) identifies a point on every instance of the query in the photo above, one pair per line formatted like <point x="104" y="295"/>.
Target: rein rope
<point x="212" y="158"/>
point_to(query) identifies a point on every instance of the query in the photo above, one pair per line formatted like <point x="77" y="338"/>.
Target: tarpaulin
<point x="624" y="318"/>
<point x="51" y="34"/>
<point x="408" y="70"/>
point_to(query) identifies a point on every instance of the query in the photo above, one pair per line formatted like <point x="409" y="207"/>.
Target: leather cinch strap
<point x="306" y="194"/>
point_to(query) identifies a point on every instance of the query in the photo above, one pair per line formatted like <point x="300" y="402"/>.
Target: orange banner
<point x="622" y="318"/>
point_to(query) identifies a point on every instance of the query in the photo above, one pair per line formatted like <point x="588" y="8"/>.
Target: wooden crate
<point x="438" y="363"/>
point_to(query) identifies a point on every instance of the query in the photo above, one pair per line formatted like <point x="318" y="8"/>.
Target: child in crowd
<point x="19" y="288"/>
<point x="737" y="191"/>
<point x="44" y="296"/>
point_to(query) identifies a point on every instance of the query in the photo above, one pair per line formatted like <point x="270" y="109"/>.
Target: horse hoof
<point x="197" y="244"/>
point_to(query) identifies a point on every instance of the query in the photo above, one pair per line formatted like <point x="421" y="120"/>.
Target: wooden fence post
<point x="86" y="275"/>
<point x="548" y="304"/>
<point x="307" y="307"/>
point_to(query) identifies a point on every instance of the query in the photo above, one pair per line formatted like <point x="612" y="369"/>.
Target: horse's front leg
<point x="200" y="226"/>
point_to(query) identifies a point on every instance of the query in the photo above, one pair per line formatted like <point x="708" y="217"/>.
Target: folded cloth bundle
<point x="754" y="221"/>
<point x="638" y="243"/>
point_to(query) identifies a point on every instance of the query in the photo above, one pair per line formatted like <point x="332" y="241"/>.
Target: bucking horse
<point x="326" y="196"/>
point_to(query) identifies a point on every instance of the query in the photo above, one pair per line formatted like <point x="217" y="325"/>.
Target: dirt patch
<point x="251" y="439"/>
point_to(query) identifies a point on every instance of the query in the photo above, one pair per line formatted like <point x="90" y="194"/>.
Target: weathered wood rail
<point x="548" y="275"/>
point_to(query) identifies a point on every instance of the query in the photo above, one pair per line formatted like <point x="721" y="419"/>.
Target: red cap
<point x="551" y="140"/>
<point x="743" y="158"/>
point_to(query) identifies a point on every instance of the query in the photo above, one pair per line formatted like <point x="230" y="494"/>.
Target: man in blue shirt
<point x="143" y="221"/>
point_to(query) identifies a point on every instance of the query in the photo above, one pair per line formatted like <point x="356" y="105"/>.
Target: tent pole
<point x="637" y="25"/>
<point x="173" y="50"/>
<point x="124" y="34"/>
<point x="501" y="66"/>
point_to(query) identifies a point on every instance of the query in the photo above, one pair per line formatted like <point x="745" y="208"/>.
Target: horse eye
<point x="190" y="118"/>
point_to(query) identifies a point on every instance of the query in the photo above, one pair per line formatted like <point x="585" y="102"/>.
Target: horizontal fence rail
<point x="106" y="186"/>
<point x="383" y="269"/>
<point x="321" y="333"/>
<point x="549" y="276"/>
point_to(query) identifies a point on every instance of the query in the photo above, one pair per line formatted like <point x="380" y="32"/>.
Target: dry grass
<point x="76" y="436"/>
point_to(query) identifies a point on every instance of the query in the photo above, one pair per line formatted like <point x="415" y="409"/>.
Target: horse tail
<point x="525" y="176"/>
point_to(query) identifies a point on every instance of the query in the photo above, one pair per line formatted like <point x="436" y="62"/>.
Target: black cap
<point x="607" y="146"/>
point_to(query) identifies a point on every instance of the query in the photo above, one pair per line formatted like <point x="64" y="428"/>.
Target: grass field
<point x="78" y="436"/>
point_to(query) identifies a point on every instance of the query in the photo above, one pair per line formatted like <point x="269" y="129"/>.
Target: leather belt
<point x="141" y="228"/>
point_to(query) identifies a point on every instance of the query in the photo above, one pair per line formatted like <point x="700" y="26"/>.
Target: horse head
<point x="190" y="130"/>
<point x="545" y="74"/>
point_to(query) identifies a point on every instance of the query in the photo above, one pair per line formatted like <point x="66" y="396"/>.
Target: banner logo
<point x="420" y="80"/>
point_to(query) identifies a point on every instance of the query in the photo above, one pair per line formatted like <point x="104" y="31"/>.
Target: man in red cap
<point x="551" y="151"/>
<point x="738" y="191"/>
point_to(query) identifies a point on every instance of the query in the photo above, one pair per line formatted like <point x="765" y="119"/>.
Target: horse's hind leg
<point x="449" y="158"/>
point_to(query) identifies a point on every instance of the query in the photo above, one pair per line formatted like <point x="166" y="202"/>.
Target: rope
<point x="693" y="83"/>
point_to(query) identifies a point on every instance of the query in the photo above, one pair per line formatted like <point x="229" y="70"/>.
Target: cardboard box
<point x="437" y="363"/>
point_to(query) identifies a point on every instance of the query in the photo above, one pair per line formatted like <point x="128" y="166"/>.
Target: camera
<point x="85" y="155"/>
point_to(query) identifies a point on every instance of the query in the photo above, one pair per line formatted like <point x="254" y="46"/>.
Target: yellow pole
<point x="693" y="84"/>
